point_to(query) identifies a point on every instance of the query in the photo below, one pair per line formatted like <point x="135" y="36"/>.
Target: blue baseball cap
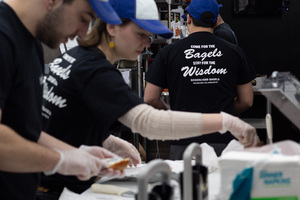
<point x="197" y="7"/>
<point x="142" y="12"/>
<point x="105" y="11"/>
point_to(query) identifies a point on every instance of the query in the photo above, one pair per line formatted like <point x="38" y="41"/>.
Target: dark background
<point x="272" y="44"/>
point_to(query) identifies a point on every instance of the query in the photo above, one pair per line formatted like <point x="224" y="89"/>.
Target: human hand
<point x="244" y="132"/>
<point x="79" y="163"/>
<point x="98" y="151"/>
<point x="111" y="173"/>
<point x="103" y="154"/>
<point x="123" y="149"/>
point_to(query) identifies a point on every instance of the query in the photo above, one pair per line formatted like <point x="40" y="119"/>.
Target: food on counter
<point x="117" y="163"/>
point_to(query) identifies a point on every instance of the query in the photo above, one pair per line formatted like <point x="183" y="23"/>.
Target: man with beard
<point x="24" y="148"/>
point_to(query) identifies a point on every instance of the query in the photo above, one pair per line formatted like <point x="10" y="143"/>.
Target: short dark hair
<point x="206" y="20"/>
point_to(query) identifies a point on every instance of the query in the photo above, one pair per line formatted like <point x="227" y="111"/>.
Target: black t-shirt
<point x="84" y="95"/>
<point x="201" y="73"/>
<point x="225" y="32"/>
<point x="21" y="78"/>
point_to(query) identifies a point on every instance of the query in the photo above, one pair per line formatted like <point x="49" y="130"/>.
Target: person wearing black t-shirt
<point x="203" y="73"/>
<point x="224" y="31"/>
<point x="24" y="149"/>
<point x="221" y="29"/>
<point x="85" y="96"/>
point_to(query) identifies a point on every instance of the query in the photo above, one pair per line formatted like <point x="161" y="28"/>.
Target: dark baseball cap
<point x="197" y="7"/>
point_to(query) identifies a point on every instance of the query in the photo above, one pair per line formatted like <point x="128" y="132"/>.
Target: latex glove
<point x="79" y="163"/>
<point x="98" y="151"/>
<point x="103" y="154"/>
<point x="123" y="149"/>
<point x="244" y="132"/>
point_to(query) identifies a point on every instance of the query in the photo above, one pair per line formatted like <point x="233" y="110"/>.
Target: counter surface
<point x="130" y="181"/>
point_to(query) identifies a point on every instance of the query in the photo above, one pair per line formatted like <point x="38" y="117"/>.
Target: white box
<point x="275" y="176"/>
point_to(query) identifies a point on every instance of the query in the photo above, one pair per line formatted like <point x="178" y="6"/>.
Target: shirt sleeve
<point x="246" y="72"/>
<point x="157" y="72"/>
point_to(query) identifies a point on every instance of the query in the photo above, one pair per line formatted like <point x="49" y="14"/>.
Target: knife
<point x="112" y="189"/>
<point x="269" y="125"/>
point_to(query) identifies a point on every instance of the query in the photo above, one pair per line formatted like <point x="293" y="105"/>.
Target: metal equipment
<point x="154" y="167"/>
<point x="194" y="178"/>
<point x="283" y="90"/>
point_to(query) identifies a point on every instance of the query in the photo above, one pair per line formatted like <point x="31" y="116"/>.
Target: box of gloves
<point x="259" y="176"/>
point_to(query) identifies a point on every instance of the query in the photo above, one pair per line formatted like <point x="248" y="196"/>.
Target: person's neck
<point x="109" y="52"/>
<point x="219" y="21"/>
<point x="194" y="29"/>
<point x="28" y="12"/>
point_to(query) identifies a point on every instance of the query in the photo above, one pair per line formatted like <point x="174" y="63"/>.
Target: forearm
<point x="244" y="99"/>
<point x="164" y="125"/>
<point x="240" y="107"/>
<point x="52" y="142"/>
<point x="158" y="104"/>
<point x="152" y="96"/>
<point x="20" y="155"/>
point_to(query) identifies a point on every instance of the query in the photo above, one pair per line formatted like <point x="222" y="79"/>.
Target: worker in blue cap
<point x="24" y="149"/>
<point x="221" y="28"/>
<point x="203" y="73"/>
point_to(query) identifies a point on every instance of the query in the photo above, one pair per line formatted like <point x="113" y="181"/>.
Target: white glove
<point x="103" y="154"/>
<point x="98" y="151"/>
<point x="123" y="149"/>
<point x="79" y="163"/>
<point x="245" y="133"/>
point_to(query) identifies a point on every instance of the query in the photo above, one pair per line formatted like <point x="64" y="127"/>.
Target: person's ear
<point x="189" y="19"/>
<point x="50" y="4"/>
<point x="111" y="29"/>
